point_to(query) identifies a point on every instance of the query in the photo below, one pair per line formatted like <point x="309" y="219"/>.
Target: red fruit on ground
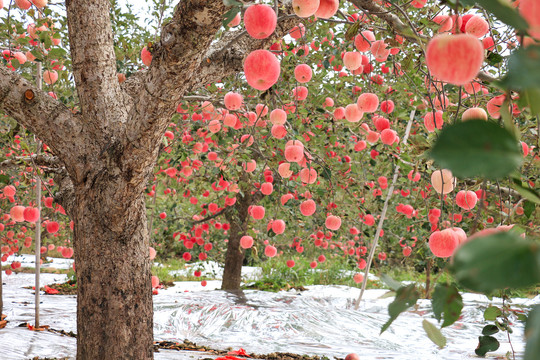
<point x="262" y="69"/>
<point x="443" y="243"/>
<point x="155" y="281"/>
<point x="455" y="59"/>
<point x="260" y="21"/>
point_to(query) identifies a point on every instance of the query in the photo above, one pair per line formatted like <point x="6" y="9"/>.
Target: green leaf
<point x="525" y="191"/>
<point x="491" y="313"/>
<point x="229" y="15"/>
<point x="528" y="208"/>
<point x="477" y="148"/>
<point x="485" y="344"/>
<point x="497" y="261"/>
<point x="532" y="334"/>
<point x="523" y="69"/>
<point x="352" y="31"/>
<point x="502" y="10"/>
<point x="446" y="299"/>
<point x="434" y="334"/>
<point x="533" y="99"/>
<point x="494" y="59"/>
<point x="4" y="179"/>
<point x="326" y="173"/>
<point x="490" y="330"/>
<point x="406" y="297"/>
<point x="391" y="283"/>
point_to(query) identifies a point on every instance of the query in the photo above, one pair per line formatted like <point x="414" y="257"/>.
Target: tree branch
<point x="46" y="117"/>
<point x="94" y="64"/>
<point x="407" y="31"/>
<point x="226" y="57"/>
<point x="38" y="159"/>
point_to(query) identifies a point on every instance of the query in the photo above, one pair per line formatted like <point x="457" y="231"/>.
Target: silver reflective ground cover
<point x="319" y="321"/>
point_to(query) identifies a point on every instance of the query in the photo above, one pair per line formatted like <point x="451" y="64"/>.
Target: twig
<point x="383" y="215"/>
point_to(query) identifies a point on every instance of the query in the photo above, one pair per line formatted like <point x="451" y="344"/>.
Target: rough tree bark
<point x="238" y="218"/>
<point x="109" y="149"/>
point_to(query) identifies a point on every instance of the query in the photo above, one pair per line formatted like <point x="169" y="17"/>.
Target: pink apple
<point x="443" y="243"/>
<point x="327" y="9"/>
<point x="260" y="21"/>
<point x="455" y="59"/>
<point x="305" y="8"/>
<point x="262" y="69"/>
<point x="474" y="113"/>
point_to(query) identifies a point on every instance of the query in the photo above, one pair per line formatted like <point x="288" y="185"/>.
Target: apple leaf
<point x="406" y="296"/>
<point x="477" y="148"/>
<point x="486" y="344"/>
<point x="446" y="299"/>
<point x="497" y="261"/>
<point x="532" y="334"/>
<point x="434" y="334"/>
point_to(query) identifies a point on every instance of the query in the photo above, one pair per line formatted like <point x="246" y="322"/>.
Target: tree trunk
<point x="232" y="273"/>
<point x="238" y="218"/>
<point x="114" y="305"/>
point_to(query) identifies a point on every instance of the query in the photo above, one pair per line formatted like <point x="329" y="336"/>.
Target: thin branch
<point x="383" y="215"/>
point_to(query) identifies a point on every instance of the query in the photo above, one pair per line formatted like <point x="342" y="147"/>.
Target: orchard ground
<point x="315" y="321"/>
